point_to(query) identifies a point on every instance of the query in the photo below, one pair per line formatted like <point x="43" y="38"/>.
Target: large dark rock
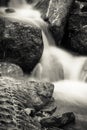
<point x="15" y="97"/>
<point x="20" y="43"/>
<point x="58" y="12"/>
<point x="77" y="28"/>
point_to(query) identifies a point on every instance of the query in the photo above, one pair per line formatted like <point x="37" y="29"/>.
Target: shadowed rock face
<point x="58" y="13"/>
<point x="20" y="43"/>
<point x="77" y="28"/>
<point x="4" y="2"/>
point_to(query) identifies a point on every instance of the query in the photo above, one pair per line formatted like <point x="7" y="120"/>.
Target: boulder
<point x="57" y="14"/>
<point x="77" y="28"/>
<point x="20" y="43"/>
<point x="16" y="96"/>
<point x="11" y="70"/>
<point x="30" y="93"/>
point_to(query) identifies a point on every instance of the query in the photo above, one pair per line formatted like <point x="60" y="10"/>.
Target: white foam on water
<point x="71" y="91"/>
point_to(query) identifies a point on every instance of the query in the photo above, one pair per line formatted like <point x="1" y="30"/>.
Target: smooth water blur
<point x="22" y="12"/>
<point x="56" y="60"/>
<point x="72" y="91"/>
<point x="72" y="96"/>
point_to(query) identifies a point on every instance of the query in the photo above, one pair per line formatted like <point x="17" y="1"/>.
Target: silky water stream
<point x="56" y="65"/>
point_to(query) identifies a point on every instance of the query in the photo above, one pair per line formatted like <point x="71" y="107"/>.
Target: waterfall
<point x="55" y="64"/>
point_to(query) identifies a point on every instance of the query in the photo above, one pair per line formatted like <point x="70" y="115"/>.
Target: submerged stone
<point x="20" y="43"/>
<point x="4" y="2"/>
<point x="9" y="10"/>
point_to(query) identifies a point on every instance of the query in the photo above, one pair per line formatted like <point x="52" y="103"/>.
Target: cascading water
<point x="55" y="64"/>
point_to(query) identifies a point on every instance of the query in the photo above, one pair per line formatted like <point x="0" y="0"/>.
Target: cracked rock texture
<point x="15" y="97"/>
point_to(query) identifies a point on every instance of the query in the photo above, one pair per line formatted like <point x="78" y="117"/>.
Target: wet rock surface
<point x="58" y="121"/>
<point x="11" y="70"/>
<point x="15" y="97"/>
<point x="77" y="28"/>
<point x="31" y="94"/>
<point x="20" y="43"/>
<point x="58" y="12"/>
